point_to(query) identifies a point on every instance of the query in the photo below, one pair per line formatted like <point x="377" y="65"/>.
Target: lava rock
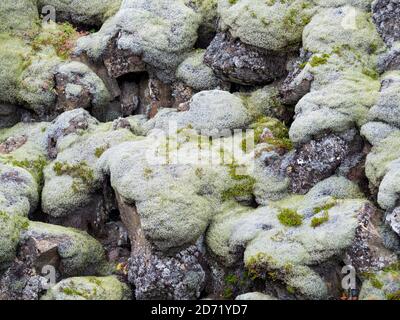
<point x="235" y="61"/>
<point x="386" y="14"/>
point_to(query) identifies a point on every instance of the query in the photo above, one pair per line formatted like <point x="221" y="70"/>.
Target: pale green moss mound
<point x="72" y="178"/>
<point x="80" y="253"/>
<point x="196" y="74"/>
<point x="10" y="229"/>
<point x="344" y="44"/>
<point x="18" y="190"/>
<point x="18" y="16"/>
<point x="273" y="25"/>
<point x="289" y="250"/>
<point x="89" y="288"/>
<point x="83" y="12"/>
<point x="380" y="158"/>
<point x="211" y="112"/>
<point x="383" y="285"/>
<point x="159" y="31"/>
<point x="255" y="296"/>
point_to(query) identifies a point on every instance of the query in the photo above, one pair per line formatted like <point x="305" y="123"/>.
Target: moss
<point x="147" y="172"/>
<point x="319" y="60"/>
<point x="231" y="279"/>
<point x="317" y="221"/>
<point x="61" y="37"/>
<point x="327" y="206"/>
<point x="394" y="267"/>
<point x="83" y="175"/>
<point x="290" y="218"/>
<point x="393" y="296"/>
<point x="376" y="283"/>
<point x="35" y="167"/>
<point x="232" y="2"/>
<point x="243" y="186"/>
<point x="257" y="266"/>
<point x="74" y="292"/>
<point x="228" y="293"/>
<point x="291" y="290"/>
<point x="280" y="134"/>
<point x="373" y="74"/>
<point x="100" y="150"/>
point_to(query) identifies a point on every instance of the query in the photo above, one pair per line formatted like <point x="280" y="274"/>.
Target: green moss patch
<point x="290" y="218"/>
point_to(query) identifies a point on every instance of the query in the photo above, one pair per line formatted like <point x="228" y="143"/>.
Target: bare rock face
<point x="368" y="252"/>
<point x="234" y="61"/>
<point x="180" y="277"/>
<point x="298" y="82"/>
<point x="386" y="15"/>
<point x="321" y="158"/>
<point x="12" y="144"/>
<point x="394" y="220"/>
<point x="390" y="60"/>
<point x="9" y="115"/>
<point x="119" y="61"/>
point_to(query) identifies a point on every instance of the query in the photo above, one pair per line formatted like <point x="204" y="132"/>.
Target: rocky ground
<point x="101" y="199"/>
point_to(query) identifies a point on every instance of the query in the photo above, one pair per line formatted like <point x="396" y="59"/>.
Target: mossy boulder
<point x="10" y="228"/>
<point x="89" y="288"/>
<point x="255" y="296"/>
<point x="13" y="56"/>
<point x="18" y="191"/>
<point x="72" y="178"/>
<point x="25" y="145"/>
<point x="161" y="33"/>
<point x="382" y="285"/>
<point x="289" y="247"/>
<point x="79" y="253"/>
<point x="18" y="16"/>
<point x="196" y="74"/>
<point x="84" y="13"/>
<point x="211" y="112"/>
<point x="380" y="158"/>
<point x="272" y="25"/>
<point x="343" y="65"/>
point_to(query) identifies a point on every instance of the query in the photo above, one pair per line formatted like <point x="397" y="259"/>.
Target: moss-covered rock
<point x="211" y="112"/>
<point x="343" y="65"/>
<point x="79" y="253"/>
<point x="72" y="178"/>
<point x="86" y="13"/>
<point x="381" y="156"/>
<point x="25" y="146"/>
<point x="89" y="288"/>
<point x="18" y="190"/>
<point x="18" y="16"/>
<point x="383" y="285"/>
<point x="196" y="74"/>
<point x="272" y="25"/>
<point x="289" y="250"/>
<point x="160" y="32"/>
<point x="13" y="56"/>
<point x="10" y="229"/>
<point x="255" y="296"/>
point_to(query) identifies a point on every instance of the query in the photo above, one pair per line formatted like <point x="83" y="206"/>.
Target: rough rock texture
<point x="385" y="15"/>
<point x="237" y="62"/>
<point x="321" y="158"/>
<point x="190" y="149"/>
